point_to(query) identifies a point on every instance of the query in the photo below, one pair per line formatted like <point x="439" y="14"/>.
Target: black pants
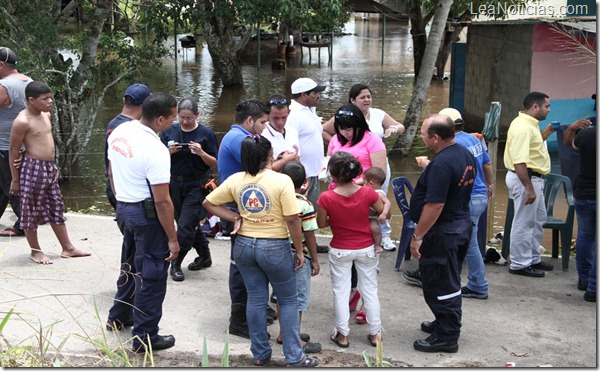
<point x="187" y="200"/>
<point x="237" y="289"/>
<point x="442" y="253"/>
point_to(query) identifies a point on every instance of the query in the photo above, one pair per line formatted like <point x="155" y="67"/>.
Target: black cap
<point x="7" y="56"/>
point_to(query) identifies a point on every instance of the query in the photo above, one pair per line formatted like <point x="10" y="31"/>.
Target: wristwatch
<point x="414" y="237"/>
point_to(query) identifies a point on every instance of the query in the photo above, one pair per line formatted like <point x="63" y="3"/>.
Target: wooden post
<point x="383" y="39"/>
<point x="258" y="37"/>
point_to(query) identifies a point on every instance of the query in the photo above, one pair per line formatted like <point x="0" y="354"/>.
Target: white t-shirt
<point x="281" y="143"/>
<point x="136" y="154"/>
<point x="310" y="133"/>
<point x="375" y="121"/>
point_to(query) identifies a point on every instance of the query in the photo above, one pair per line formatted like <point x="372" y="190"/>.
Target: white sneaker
<point x="387" y="244"/>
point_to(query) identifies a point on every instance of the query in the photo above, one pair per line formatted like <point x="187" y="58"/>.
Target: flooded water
<point x="356" y="58"/>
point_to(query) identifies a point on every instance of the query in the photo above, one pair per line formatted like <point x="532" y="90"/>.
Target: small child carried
<point x="380" y="228"/>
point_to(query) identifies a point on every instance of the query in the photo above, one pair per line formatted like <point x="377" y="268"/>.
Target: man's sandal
<point x="308" y="361"/>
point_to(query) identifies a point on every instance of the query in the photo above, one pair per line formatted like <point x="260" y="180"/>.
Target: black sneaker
<point x="413" y="277"/>
<point x="589" y="296"/>
<point x="434" y="345"/>
<point x="468" y="293"/>
<point x="543" y="266"/>
<point x="582" y="285"/>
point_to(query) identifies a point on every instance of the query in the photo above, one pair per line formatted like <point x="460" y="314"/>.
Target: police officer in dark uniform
<point x="193" y="148"/>
<point x="440" y="207"/>
<point x="139" y="172"/>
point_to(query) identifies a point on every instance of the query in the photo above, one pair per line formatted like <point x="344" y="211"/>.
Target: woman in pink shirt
<point x="352" y="135"/>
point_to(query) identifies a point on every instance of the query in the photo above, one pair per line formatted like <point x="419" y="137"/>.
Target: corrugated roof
<point x="584" y="26"/>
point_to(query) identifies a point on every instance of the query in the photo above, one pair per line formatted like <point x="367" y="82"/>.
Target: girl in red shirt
<point x="346" y="210"/>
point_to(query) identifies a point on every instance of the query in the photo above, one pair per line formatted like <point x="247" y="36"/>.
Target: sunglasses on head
<point x="344" y="114"/>
<point x="278" y="102"/>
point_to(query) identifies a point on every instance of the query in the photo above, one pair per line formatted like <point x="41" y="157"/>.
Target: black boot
<point x="237" y="322"/>
<point x="203" y="260"/>
<point x="176" y="271"/>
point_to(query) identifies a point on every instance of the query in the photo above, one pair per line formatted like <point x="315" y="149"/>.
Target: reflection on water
<point x="356" y="58"/>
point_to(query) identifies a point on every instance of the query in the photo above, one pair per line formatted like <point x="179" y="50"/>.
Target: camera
<point x="184" y="145"/>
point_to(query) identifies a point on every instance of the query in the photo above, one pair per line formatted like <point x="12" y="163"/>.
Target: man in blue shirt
<point x="250" y="118"/>
<point x="483" y="188"/>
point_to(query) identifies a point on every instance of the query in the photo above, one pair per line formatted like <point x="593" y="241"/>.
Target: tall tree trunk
<point x="418" y="30"/>
<point x="218" y="34"/>
<point x="450" y="36"/>
<point x="78" y="100"/>
<point x="415" y="108"/>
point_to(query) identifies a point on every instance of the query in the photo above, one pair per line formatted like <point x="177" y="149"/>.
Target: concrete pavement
<point x="529" y="321"/>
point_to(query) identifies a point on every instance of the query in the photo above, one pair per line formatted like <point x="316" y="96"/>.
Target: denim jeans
<point x="260" y="261"/>
<point x="340" y="266"/>
<point x="585" y="259"/>
<point x="476" y="276"/>
<point x="303" y="277"/>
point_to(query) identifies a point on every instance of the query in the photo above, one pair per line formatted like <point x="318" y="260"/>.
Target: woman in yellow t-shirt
<point x="268" y="210"/>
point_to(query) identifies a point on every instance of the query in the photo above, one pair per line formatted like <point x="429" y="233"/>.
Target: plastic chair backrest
<point x="554" y="182"/>
<point x="400" y="186"/>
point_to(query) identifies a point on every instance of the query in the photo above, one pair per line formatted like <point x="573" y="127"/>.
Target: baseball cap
<point x="138" y="93"/>
<point x="305" y="84"/>
<point x="7" y="56"/>
<point x="453" y="114"/>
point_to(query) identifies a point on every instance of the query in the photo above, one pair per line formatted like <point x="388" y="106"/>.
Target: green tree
<point x="43" y="32"/>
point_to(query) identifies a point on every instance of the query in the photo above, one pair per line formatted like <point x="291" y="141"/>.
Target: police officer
<point x="139" y="171"/>
<point x="440" y="207"/>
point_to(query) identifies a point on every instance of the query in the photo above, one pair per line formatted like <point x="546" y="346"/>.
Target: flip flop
<point x="304" y="337"/>
<point x="361" y="318"/>
<point x="10" y="232"/>
<point x="334" y="338"/>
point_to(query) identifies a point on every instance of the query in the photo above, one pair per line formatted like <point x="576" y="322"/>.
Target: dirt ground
<point x="531" y="322"/>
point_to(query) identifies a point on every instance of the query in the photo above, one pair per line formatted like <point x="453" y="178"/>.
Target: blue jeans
<point x="260" y="261"/>
<point x="585" y="258"/>
<point x="476" y="276"/>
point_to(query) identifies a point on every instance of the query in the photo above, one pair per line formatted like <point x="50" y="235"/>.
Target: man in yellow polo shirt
<point x="527" y="160"/>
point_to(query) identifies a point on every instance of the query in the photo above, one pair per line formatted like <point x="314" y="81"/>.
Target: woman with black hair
<point x="354" y="136"/>
<point x="268" y="209"/>
<point x="193" y="148"/>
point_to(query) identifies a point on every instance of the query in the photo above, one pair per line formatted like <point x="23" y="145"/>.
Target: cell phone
<point x="184" y="145"/>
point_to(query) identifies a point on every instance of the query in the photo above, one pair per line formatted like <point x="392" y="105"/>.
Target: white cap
<point x="453" y="113"/>
<point x="305" y="84"/>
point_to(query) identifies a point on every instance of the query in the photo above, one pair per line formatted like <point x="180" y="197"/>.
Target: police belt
<point x="189" y="178"/>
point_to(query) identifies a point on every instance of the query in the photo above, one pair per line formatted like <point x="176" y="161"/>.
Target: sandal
<point x="354" y="301"/>
<point x="361" y="318"/>
<point x="371" y="341"/>
<point x="304" y="337"/>
<point x="334" y="338"/>
<point x="308" y="361"/>
<point x="261" y="362"/>
<point x="11" y="232"/>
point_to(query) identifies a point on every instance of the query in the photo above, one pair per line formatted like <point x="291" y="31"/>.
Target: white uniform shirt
<point x="310" y="133"/>
<point x="136" y="154"/>
<point x="281" y="143"/>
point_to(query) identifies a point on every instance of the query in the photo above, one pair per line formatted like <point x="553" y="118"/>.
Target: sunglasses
<point x="278" y="102"/>
<point x="344" y="114"/>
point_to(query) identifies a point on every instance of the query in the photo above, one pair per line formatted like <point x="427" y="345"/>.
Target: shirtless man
<point x="41" y="201"/>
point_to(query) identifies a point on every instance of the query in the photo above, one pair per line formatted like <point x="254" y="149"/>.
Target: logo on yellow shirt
<point x="255" y="199"/>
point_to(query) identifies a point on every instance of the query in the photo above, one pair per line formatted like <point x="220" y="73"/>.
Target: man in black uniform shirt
<point x="440" y="207"/>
